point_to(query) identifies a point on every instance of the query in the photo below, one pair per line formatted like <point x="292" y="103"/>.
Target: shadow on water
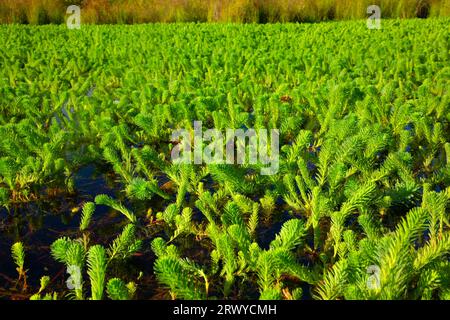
<point x="38" y="224"/>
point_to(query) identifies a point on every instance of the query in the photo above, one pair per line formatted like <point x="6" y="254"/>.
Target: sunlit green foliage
<point x="358" y="210"/>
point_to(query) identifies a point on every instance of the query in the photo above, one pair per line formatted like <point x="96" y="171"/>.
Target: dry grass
<point x="258" y="11"/>
<point x="32" y="11"/>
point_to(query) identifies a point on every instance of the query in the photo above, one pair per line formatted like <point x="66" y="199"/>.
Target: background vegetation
<point x="259" y="11"/>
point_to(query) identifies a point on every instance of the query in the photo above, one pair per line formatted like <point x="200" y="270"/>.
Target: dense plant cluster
<point x="364" y="162"/>
<point x="247" y="11"/>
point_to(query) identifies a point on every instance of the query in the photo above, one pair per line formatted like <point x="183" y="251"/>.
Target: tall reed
<point x="245" y="11"/>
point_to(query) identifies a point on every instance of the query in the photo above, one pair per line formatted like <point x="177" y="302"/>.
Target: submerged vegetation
<point x="358" y="210"/>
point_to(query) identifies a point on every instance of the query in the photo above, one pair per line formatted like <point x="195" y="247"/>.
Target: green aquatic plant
<point x="18" y="255"/>
<point x="44" y="282"/>
<point x="180" y="275"/>
<point x="142" y="189"/>
<point x="116" y="205"/>
<point x="118" y="290"/>
<point x="79" y="255"/>
<point x="95" y="260"/>
<point x="73" y="254"/>
<point x="239" y="257"/>
<point x="86" y="215"/>
<point x="4" y="197"/>
<point x="125" y="244"/>
<point x="401" y="258"/>
<point x="359" y="207"/>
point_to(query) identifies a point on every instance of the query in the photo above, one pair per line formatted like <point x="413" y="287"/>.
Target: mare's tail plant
<point x="18" y="255"/>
